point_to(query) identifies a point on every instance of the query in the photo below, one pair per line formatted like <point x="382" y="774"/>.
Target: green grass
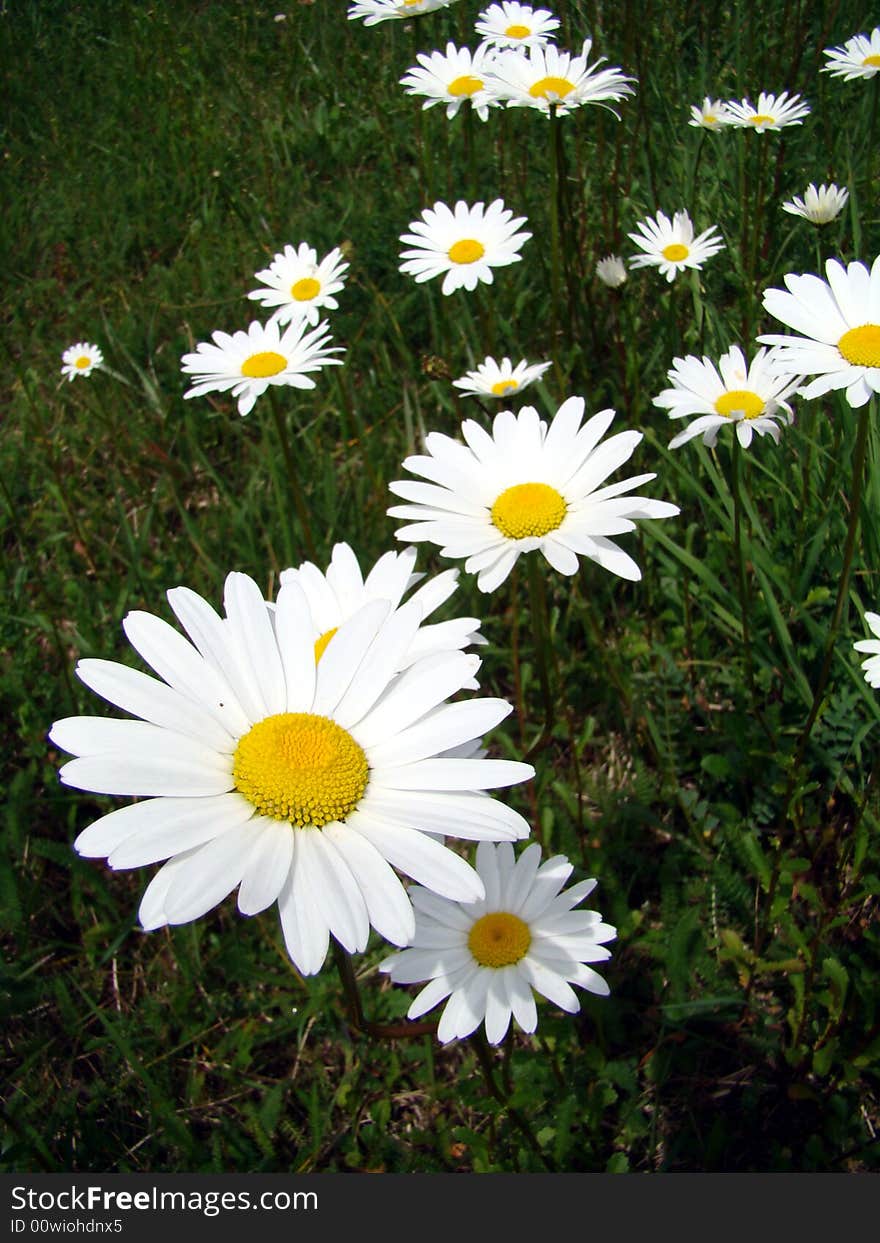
<point x="154" y="157"/>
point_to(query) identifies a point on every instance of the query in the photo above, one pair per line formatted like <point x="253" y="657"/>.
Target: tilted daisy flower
<point x="611" y="271"/>
<point x="711" y="114"/>
<point x="462" y="245"/>
<point x="871" y="666"/>
<point x="299" y="286"/>
<point x="491" y="956"/>
<point x="80" y="359"/>
<point x="773" y="112"/>
<point x="670" y="245"/>
<point x="524" y="487"/>
<point x="818" y="206"/>
<point x="752" y="398"/>
<point x="454" y="77"/>
<point x="502" y="379"/>
<point x="858" y="58"/>
<point x="335" y="596"/>
<point x="513" y="25"/>
<point x="247" y="363"/>
<point x="295" y="782"/>
<point x="839" y="320"/>
<point x="374" y="11"/>
<point x="548" y="78"/>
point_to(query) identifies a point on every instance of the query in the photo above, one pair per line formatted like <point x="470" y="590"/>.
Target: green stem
<point x="480" y="1046"/>
<point x="742" y="581"/>
<point x="355" y="1009"/>
<point x="292" y="477"/>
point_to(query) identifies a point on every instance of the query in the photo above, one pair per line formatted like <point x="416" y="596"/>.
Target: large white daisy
<point x="871" y="666"/>
<point x="525" y="487"/>
<point x="514" y="25"/>
<point x="818" y="206"/>
<point x="751" y="398"/>
<point x="80" y="360"/>
<point x="858" y="58"/>
<point x="374" y="11"/>
<point x="293" y="781"/>
<point x="773" y="112"/>
<point x="839" y="320"/>
<point x="298" y="285"/>
<point x="492" y="379"/>
<point x="454" y="77"/>
<point x="247" y="363"/>
<point x="462" y="245"/>
<point x="548" y="78"/>
<point x="670" y="245"/>
<point x="491" y="956"/>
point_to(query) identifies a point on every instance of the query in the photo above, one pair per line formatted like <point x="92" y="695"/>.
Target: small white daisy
<point x="774" y="112"/>
<point x="292" y="780"/>
<point x="548" y="78"/>
<point x="611" y="271"/>
<point x="248" y="362"/>
<point x="818" y="206"/>
<point x="374" y="11"/>
<point x="871" y="666"/>
<point x="513" y="25"/>
<point x="712" y="114"/>
<point x="492" y="379"/>
<point x="80" y="359"/>
<point x="454" y="77"/>
<point x="462" y="245"/>
<point x="670" y="245"/>
<point x="524" y="487"/>
<point x="491" y="956"/>
<point x="839" y="320"/>
<point x="298" y="285"/>
<point x="858" y="58"/>
<point x="752" y="398"/>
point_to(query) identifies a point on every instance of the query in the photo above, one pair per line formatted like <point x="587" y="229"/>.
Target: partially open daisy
<point x="858" y="58"/>
<point x="670" y="245"/>
<point x="711" y="114"/>
<point x="294" y="782"/>
<point x="513" y="25"/>
<point x="247" y="363"/>
<point x="454" y="77"/>
<point x="491" y="956"/>
<point x="839" y="320"/>
<point x="526" y="487"/>
<point x="611" y="271"/>
<point x="751" y="398"/>
<point x="80" y="360"/>
<point x="871" y="666"/>
<point x="818" y="206"/>
<point x="492" y="379"/>
<point x="462" y="245"/>
<point x="773" y="112"/>
<point x="548" y="78"/>
<point x="374" y="11"/>
<point x="298" y="286"/>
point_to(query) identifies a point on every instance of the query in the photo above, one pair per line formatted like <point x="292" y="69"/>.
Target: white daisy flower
<point x="80" y="359"/>
<point x="858" y="58"/>
<point x="670" y="245"/>
<point x="248" y="362"/>
<point x="491" y="956"/>
<point x="335" y="596"/>
<point x="293" y="781"/>
<point x="462" y="245"/>
<point x="818" y="206"/>
<point x="452" y="77"/>
<point x="502" y="379"/>
<point x="712" y="114"/>
<point x="871" y="666"/>
<point x="752" y="398"/>
<point x="512" y="25"/>
<point x="374" y="11"/>
<point x="839" y="320"/>
<point x="773" y="112"/>
<point x="549" y="78"/>
<point x="611" y="271"/>
<point x="526" y="487"/>
<point x="298" y="285"/>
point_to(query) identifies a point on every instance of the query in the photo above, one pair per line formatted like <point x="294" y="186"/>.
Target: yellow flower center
<point x="517" y="31"/>
<point x="709" y="118"/>
<point x="264" y="364"/>
<point x="82" y="362"/>
<point x="468" y="250"/>
<point x="467" y="84"/>
<point x="762" y="119"/>
<point x="321" y="643"/>
<point x="675" y="252"/>
<point x="499" y="939"/>
<point x="740" y="401"/>
<point x="861" y="346"/>
<point x="305" y="289"/>
<point x="300" y="767"/>
<point x="545" y="87"/>
<point x="528" y="509"/>
<point x="500" y="387"/>
<point x="873" y="61"/>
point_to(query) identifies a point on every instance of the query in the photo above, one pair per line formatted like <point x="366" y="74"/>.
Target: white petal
<point x="266" y="867"/>
<point x="388" y="905"/>
<point x="208" y="875"/>
<point x="296" y="644"/>
<point x="184" y="824"/>
<point x="305" y="930"/>
<point x="344" y="653"/>
<point x="420" y="857"/>
<point x="498" y="1009"/>
<point x="446" y="727"/>
<point x="335" y="889"/>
